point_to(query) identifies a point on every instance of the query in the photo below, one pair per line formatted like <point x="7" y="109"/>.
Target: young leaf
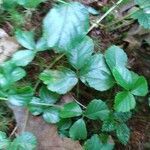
<point x="4" y="141"/>
<point x="61" y="81"/>
<point x="47" y="96"/>
<point x="78" y="130"/>
<point x="23" y="57"/>
<point x="97" y="109"/>
<point x="51" y="115"/>
<point x="66" y="24"/>
<point x="139" y="87"/>
<point x="124" y="101"/>
<point x="26" y="39"/>
<point x="95" y="143"/>
<point x="70" y="110"/>
<point x="123" y="77"/>
<point x="109" y="125"/>
<point x="115" y="57"/>
<point x="26" y="141"/>
<point x="96" y="73"/>
<point x="21" y="96"/>
<point x="79" y="54"/>
<point x="123" y="133"/>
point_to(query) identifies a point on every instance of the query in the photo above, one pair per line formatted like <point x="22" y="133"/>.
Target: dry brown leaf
<point x="8" y="45"/>
<point x="46" y="134"/>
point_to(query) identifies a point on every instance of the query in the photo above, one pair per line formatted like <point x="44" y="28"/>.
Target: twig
<point x="13" y="132"/>
<point x="102" y="17"/>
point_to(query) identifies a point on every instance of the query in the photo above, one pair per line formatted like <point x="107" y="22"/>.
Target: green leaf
<point x="143" y="14"/>
<point x="97" y="109"/>
<point x="9" y="74"/>
<point x="95" y="143"/>
<point x="78" y="130"/>
<point x="124" y="102"/>
<point x="4" y="141"/>
<point x="26" y="141"/>
<point x="47" y="96"/>
<point x="61" y="81"/>
<point x="26" y="39"/>
<point x="51" y="115"/>
<point x="29" y="3"/>
<point x="115" y="57"/>
<point x="23" y="57"/>
<point x="109" y="125"/>
<point x="64" y="124"/>
<point x="139" y="86"/>
<point x="123" y="77"/>
<point x="65" y="25"/>
<point x="41" y="45"/>
<point x="79" y="54"/>
<point x="96" y="73"/>
<point x="123" y="133"/>
<point x="70" y="110"/>
<point x="143" y="17"/>
<point x="122" y="117"/>
<point x="21" y="96"/>
<point x="35" y="109"/>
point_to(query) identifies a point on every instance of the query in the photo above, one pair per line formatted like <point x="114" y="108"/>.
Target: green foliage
<point x="95" y="143"/>
<point x="143" y="14"/>
<point x="65" y="25"/>
<point x="97" y="109"/>
<point x="25" y="141"/>
<point x="65" y="30"/>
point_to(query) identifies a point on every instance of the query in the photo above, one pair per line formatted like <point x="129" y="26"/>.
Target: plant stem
<point x="79" y="103"/>
<point x="123" y="18"/>
<point x="26" y="120"/>
<point x="61" y="1"/>
<point x="44" y="104"/>
<point x="102" y="17"/>
<point x="53" y="63"/>
<point x="3" y="99"/>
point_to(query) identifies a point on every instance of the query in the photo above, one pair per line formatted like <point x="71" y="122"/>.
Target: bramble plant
<point x="65" y="30"/>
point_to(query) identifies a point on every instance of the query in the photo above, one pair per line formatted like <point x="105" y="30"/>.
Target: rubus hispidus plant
<point x="65" y="31"/>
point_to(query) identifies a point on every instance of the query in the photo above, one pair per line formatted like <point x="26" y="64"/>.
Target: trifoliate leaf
<point x="70" y="110"/>
<point x="97" y="109"/>
<point x="47" y="96"/>
<point x="20" y="96"/>
<point x="115" y="57"/>
<point x="65" y="25"/>
<point x="61" y="81"/>
<point x="123" y="133"/>
<point x="124" y="102"/>
<point x="23" y="57"/>
<point x="78" y="130"/>
<point x="26" y="141"/>
<point x="79" y="54"/>
<point x="4" y="141"/>
<point x="95" y="143"/>
<point x="51" y="115"/>
<point x="26" y="39"/>
<point x="96" y="73"/>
